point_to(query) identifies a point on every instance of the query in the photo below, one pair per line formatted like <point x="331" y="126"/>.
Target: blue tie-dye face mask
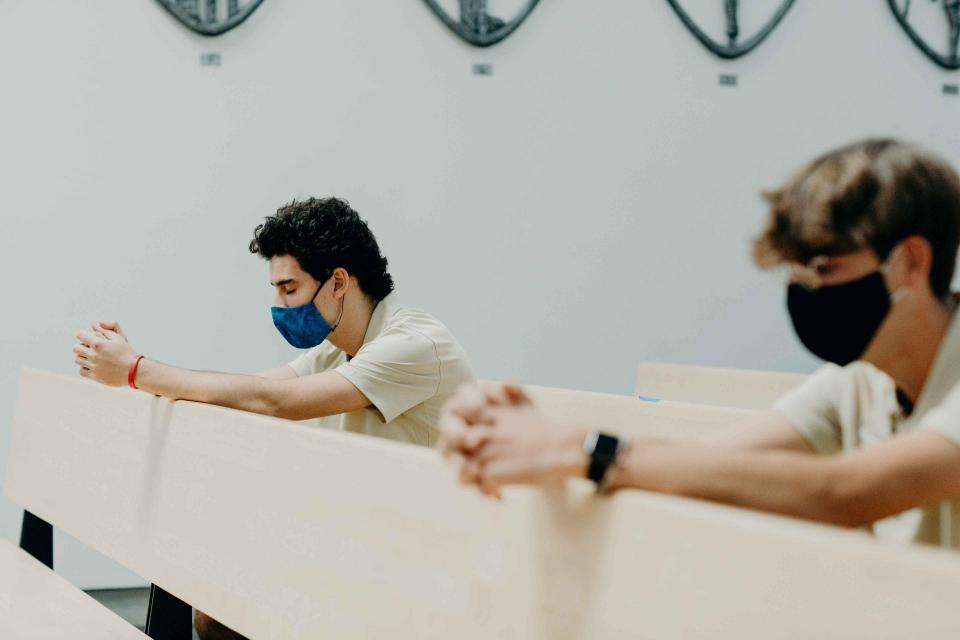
<point x="302" y="326"/>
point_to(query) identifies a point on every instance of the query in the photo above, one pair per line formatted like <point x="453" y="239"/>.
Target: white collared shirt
<point x="408" y="366"/>
<point x="845" y="408"/>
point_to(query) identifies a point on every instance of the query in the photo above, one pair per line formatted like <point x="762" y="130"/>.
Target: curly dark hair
<point x="324" y="234"/>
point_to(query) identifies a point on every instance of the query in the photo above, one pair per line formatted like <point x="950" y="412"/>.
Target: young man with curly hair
<point x="870" y="233"/>
<point x="384" y="368"/>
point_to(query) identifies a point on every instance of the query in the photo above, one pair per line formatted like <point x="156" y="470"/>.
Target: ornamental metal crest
<point x="475" y="24"/>
<point x="936" y="21"/>
<point x="727" y="20"/>
<point x="210" y="17"/>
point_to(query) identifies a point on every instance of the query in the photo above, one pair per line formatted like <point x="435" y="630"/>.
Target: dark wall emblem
<point x="730" y="45"/>
<point x="210" y="17"/>
<point x="936" y="21"/>
<point x="476" y="25"/>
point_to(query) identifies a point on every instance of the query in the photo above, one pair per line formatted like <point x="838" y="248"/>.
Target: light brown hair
<point x="871" y="194"/>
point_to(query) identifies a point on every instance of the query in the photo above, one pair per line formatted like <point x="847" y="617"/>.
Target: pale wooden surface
<point x="740" y="388"/>
<point x="633" y="417"/>
<point x="38" y="604"/>
<point x="283" y="531"/>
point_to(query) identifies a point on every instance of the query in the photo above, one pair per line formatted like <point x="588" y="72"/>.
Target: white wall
<point x="588" y="206"/>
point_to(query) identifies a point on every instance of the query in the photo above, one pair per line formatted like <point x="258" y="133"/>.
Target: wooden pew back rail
<point x="284" y="531"/>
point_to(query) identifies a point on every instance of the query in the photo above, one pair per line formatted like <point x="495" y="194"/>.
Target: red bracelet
<point x="132" y="373"/>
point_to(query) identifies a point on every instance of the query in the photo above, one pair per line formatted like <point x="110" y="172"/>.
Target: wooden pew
<point x="740" y="388"/>
<point x="631" y="416"/>
<point x="37" y="603"/>
<point x="283" y="531"/>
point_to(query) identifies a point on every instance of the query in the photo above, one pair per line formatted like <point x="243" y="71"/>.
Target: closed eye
<point x="291" y="292"/>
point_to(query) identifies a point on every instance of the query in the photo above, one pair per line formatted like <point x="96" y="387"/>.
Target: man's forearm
<point x="247" y="393"/>
<point x="792" y="484"/>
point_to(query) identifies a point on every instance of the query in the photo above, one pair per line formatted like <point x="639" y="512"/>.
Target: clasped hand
<point x="494" y="436"/>
<point x="104" y="354"/>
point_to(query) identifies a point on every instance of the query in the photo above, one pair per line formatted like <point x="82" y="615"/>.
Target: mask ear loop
<point x="885" y="266"/>
<point x="339" y="317"/>
<point x="807" y="275"/>
<point x="902" y="292"/>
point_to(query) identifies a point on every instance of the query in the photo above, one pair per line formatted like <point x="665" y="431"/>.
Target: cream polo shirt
<point x="844" y="408"/>
<point x="408" y="366"/>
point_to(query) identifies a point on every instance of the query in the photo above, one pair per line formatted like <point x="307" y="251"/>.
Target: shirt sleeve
<point x="812" y="408"/>
<point x="945" y="417"/>
<point x="396" y="371"/>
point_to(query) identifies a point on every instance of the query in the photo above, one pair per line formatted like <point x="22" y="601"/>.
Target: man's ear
<point x="341" y="282"/>
<point x="917" y="261"/>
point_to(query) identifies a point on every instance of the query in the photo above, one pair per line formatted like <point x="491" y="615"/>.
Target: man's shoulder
<point x="416" y="331"/>
<point x="858" y="382"/>
<point x="855" y="374"/>
<point x="416" y="322"/>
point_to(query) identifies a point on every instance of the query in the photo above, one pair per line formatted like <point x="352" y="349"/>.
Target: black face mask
<point x="837" y="322"/>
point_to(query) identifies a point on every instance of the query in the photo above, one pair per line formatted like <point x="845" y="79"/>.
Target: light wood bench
<point x="36" y="603"/>
<point x="284" y="531"/>
<point x="631" y="416"/>
<point x="739" y="388"/>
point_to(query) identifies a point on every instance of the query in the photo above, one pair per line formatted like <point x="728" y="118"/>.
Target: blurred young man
<point x="870" y="232"/>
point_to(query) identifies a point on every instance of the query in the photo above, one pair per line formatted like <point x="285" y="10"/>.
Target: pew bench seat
<point x="736" y="388"/>
<point x="36" y="603"/>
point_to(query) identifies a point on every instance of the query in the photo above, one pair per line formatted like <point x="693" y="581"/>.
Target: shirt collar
<point x="945" y="372"/>
<point x="381" y="313"/>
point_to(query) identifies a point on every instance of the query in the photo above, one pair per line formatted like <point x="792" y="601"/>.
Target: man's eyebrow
<point x="281" y="283"/>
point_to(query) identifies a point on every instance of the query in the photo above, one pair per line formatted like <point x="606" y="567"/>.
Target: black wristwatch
<point x="602" y="450"/>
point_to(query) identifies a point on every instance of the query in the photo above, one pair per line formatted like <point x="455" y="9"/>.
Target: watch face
<point x="604" y="450"/>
